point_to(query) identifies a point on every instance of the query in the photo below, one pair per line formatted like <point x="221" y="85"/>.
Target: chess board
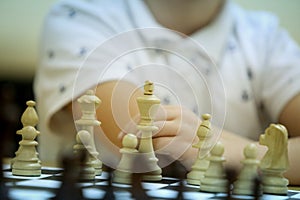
<point x="47" y="185"/>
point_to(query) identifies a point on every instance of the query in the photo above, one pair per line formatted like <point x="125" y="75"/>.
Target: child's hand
<point x="177" y="133"/>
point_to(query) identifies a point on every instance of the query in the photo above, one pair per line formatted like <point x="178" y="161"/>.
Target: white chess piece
<point x="89" y="103"/>
<point x="83" y="147"/>
<point x="244" y="184"/>
<point x="148" y="105"/>
<point x="26" y="162"/>
<point x="214" y="178"/>
<point x="275" y="162"/>
<point x="28" y="118"/>
<point x="124" y="169"/>
<point x="201" y="164"/>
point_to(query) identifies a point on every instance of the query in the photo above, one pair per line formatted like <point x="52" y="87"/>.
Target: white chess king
<point x="148" y="105"/>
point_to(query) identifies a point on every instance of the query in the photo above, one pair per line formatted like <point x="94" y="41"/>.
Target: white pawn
<point x="124" y="169"/>
<point x="201" y="164"/>
<point x="215" y="179"/>
<point x="84" y="147"/>
<point x="26" y="162"/>
<point x="245" y="182"/>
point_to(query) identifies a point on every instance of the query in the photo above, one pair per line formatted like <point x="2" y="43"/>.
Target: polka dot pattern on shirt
<point x="129" y="67"/>
<point x="50" y="54"/>
<point x="231" y="46"/>
<point x="82" y="51"/>
<point x="72" y="12"/>
<point x="166" y="100"/>
<point x="249" y="73"/>
<point x="245" y="96"/>
<point x="62" y="88"/>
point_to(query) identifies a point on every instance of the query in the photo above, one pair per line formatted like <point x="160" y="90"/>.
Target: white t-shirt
<point x="246" y="72"/>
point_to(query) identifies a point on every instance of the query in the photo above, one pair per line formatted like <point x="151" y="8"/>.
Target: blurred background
<point x="21" y="22"/>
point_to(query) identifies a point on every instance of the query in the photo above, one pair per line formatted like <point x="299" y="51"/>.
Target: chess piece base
<point x="193" y="181"/>
<point x="88" y="173"/>
<point x="194" y="177"/>
<point x="153" y="177"/>
<point x="209" y="185"/>
<point x="24" y="172"/>
<point x="274" y="183"/>
<point x="247" y="189"/>
<point x="275" y="190"/>
<point x="122" y="177"/>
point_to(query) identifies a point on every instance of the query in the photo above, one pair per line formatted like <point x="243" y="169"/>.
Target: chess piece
<point x="148" y="105"/>
<point x="245" y="181"/>
<point x="201" y="164"/>
<point x="4" y="192"/>
<point x="124" y="169"/>
<point x="256" y="188"/>
<point x="137" y="190"/>
<point x="275" y="161"/>
<point x="231" y="177"/>
<point x="178" y="171"/>
<point x="83" y="147"/>
<point x="69" y="188"/>
<point x="214" y="178"/>
<point x="109" y="190"/>
<point x="28" y="118"/>
<point x="3" y="188"/>
<point x="26" y="162"/>
<point x="89" y="103"/>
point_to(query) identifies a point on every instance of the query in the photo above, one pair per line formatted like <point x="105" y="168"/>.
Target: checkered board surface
<point x="46" y="186"/>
